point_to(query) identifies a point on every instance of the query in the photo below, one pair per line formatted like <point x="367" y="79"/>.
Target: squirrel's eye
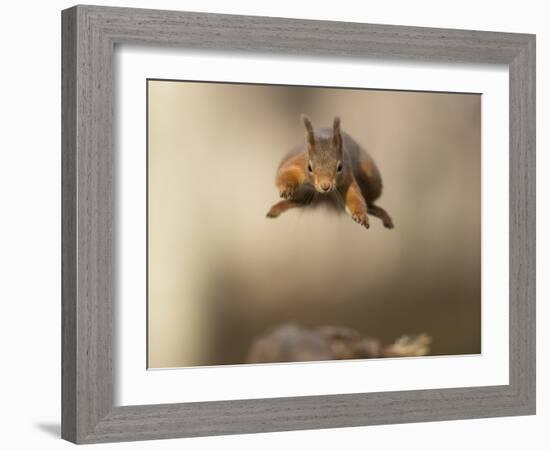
<point x="339" y="167"/>
<point x="309" y="167"/>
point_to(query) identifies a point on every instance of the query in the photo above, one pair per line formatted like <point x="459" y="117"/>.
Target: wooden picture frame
<point x="90" y="34"/>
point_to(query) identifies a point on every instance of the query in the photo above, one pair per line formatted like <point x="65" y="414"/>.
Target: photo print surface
<point x="296" y="223"/>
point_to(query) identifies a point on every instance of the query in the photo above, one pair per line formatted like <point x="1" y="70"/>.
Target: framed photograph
<point x="278" y="224"/>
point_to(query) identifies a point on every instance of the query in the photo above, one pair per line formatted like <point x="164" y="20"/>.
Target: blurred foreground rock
<point x="294" y="343"/>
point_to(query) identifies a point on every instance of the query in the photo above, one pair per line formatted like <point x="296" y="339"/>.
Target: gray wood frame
<point x="89" y="36"/>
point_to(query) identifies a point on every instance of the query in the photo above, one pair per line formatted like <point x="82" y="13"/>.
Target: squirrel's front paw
<point x="287" y="191"/>
<point x="361" y="218"/>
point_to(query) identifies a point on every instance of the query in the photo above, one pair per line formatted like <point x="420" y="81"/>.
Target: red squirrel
<point x="331" y="168"/>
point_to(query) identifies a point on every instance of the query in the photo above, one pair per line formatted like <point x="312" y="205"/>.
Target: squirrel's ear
<point x="309" y="128"/>
<point x="336" y="136"/>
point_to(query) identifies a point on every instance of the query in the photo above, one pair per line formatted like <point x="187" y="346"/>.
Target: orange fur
<point x="291" y="175"/>
<point x="284" y="205"/>
<point x="366" y="167"/>
<point x="355" y="203"/>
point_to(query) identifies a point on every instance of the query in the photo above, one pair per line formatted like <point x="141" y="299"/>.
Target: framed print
<point x="268" y="222"/>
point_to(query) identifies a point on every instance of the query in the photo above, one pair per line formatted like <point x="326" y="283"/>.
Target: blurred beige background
<point x="220" y="273"/>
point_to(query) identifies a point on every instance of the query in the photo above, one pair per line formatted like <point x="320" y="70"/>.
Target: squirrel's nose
<point x="325" y="186"/>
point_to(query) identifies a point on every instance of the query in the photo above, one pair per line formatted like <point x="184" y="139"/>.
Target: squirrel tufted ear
<point x="336" y="136"/>
<point x="309" y="129"/>
<point x="336" y="125"/>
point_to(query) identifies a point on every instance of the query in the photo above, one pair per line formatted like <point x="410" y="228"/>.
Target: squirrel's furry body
<point x="331" y="169"/>
<point x="363" y="166"/>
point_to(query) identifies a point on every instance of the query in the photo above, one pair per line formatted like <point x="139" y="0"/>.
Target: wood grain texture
<point x="68" y="225"/>
<point x="89" y="36"/>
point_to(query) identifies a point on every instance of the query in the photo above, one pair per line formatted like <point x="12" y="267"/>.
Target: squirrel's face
<point x="325" y="166"/>
<point x="324" y="169"/>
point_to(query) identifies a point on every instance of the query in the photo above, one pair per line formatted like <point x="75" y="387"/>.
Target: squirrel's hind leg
<point x="280" y="207"/>
<point x="381" y="213"/>
<point x="302" y="197"/>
